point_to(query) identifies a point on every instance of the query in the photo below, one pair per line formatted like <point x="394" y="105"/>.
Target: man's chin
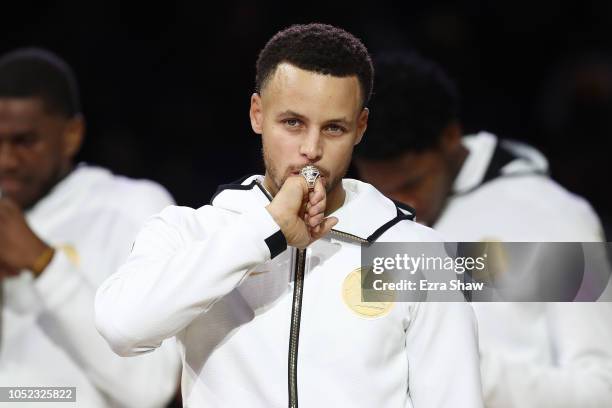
<point x="23" y="200"/>
<point x="17" y="199"/>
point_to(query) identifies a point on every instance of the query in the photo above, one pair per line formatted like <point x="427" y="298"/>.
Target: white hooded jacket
<point x="48" y="334"/>
<point x="534" y="355"/>
<point x="220" y="279"/>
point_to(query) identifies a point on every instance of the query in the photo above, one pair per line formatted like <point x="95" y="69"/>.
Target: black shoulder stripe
<point x="237" y="185"/>
<point x="501" y="157"/>
<point x="405" y="207"/>
<point x="400" y="217"/>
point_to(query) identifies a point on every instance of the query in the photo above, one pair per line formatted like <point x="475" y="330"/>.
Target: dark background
<point x="166" y="88"/>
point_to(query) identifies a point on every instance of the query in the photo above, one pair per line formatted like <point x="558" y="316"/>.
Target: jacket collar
<point x="364" y="216"/>
<point x="68" y="194"/>
<point x="490" y="158"/>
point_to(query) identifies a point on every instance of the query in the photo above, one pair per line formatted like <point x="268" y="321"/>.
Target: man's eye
<point x="292" y="123"/>
<point x="411" y="184"/>
<point x="24" y="140"/>
<point x="336" y="129"/>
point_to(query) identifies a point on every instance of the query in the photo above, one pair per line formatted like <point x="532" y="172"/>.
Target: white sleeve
<point x="170" y="277"/>
<point x="442" y="349"/>
<point x="581" y="334"/>
<point x="67" y="317"/>
<point x="63" y="299"/>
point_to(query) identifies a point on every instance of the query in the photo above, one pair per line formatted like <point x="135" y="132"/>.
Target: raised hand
<point x="300" y="213"/>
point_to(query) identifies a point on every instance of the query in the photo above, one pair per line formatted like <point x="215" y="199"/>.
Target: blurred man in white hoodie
<point x="481" y="188"/>
<point x="63" y="230"/>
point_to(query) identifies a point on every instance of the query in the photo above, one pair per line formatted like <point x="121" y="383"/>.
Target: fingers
<point x="291" y="196"/>
<point x="323" y="228"/>
<point x="295" y="199"/>
<point x="317" y="201"/>
<point x="318" y="193"/>
<point x="8" y="273"/>
<point x="319" y="225"/>
<point x="313" y="221"/>
<point x="299" y="182"/>
<point x="314" y="210"/>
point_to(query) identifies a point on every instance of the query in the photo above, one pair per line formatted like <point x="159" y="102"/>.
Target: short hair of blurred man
<point x="412" y="151"/>
<point x="41" y="125"/>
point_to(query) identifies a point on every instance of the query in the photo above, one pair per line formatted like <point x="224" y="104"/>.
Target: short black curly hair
<point x="36" y="72"/>
<point x="319" y="48"/>
<point x="413" y="103"/>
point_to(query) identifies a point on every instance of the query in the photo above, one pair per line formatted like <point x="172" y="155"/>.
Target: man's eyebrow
<point x="20" y="134"/>
<point x="292" y="113"/>
<point x="25" y="133"/>
<point x="341" y="120"/>
<point x="289" y="113"/>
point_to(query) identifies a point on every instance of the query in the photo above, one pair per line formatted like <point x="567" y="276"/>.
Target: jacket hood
<point x="364" y="216"/>
<point x="490" y="158"/>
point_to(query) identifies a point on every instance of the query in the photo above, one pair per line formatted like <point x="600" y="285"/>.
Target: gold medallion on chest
<point x="352" y="297"/>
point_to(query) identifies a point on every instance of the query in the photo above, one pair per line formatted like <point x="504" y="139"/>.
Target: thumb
<point x="293" y="192"/>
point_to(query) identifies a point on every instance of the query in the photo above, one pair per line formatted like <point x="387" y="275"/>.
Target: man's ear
<point x="451" y="137"/>
<point x="73" y="136"/>
<point x="256" y="114"/>
<point x="362" y="124"/>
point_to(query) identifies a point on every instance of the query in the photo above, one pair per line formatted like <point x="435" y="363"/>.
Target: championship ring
<point x="310" y="173"/>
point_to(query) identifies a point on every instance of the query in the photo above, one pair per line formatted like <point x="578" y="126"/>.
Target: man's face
<point x="308" y="118"/>
<point x="421" y="180"/>
<point x="36" y="148"/>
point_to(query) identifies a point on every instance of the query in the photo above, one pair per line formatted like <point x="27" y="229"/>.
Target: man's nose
<point x="311" y="145"/>
<point x="8" y="156"/>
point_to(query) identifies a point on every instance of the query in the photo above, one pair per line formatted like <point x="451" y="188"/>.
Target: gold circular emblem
<point x="497" y="262"/>
<point x="71" y="253"/>
<point x="351" y="295"/>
